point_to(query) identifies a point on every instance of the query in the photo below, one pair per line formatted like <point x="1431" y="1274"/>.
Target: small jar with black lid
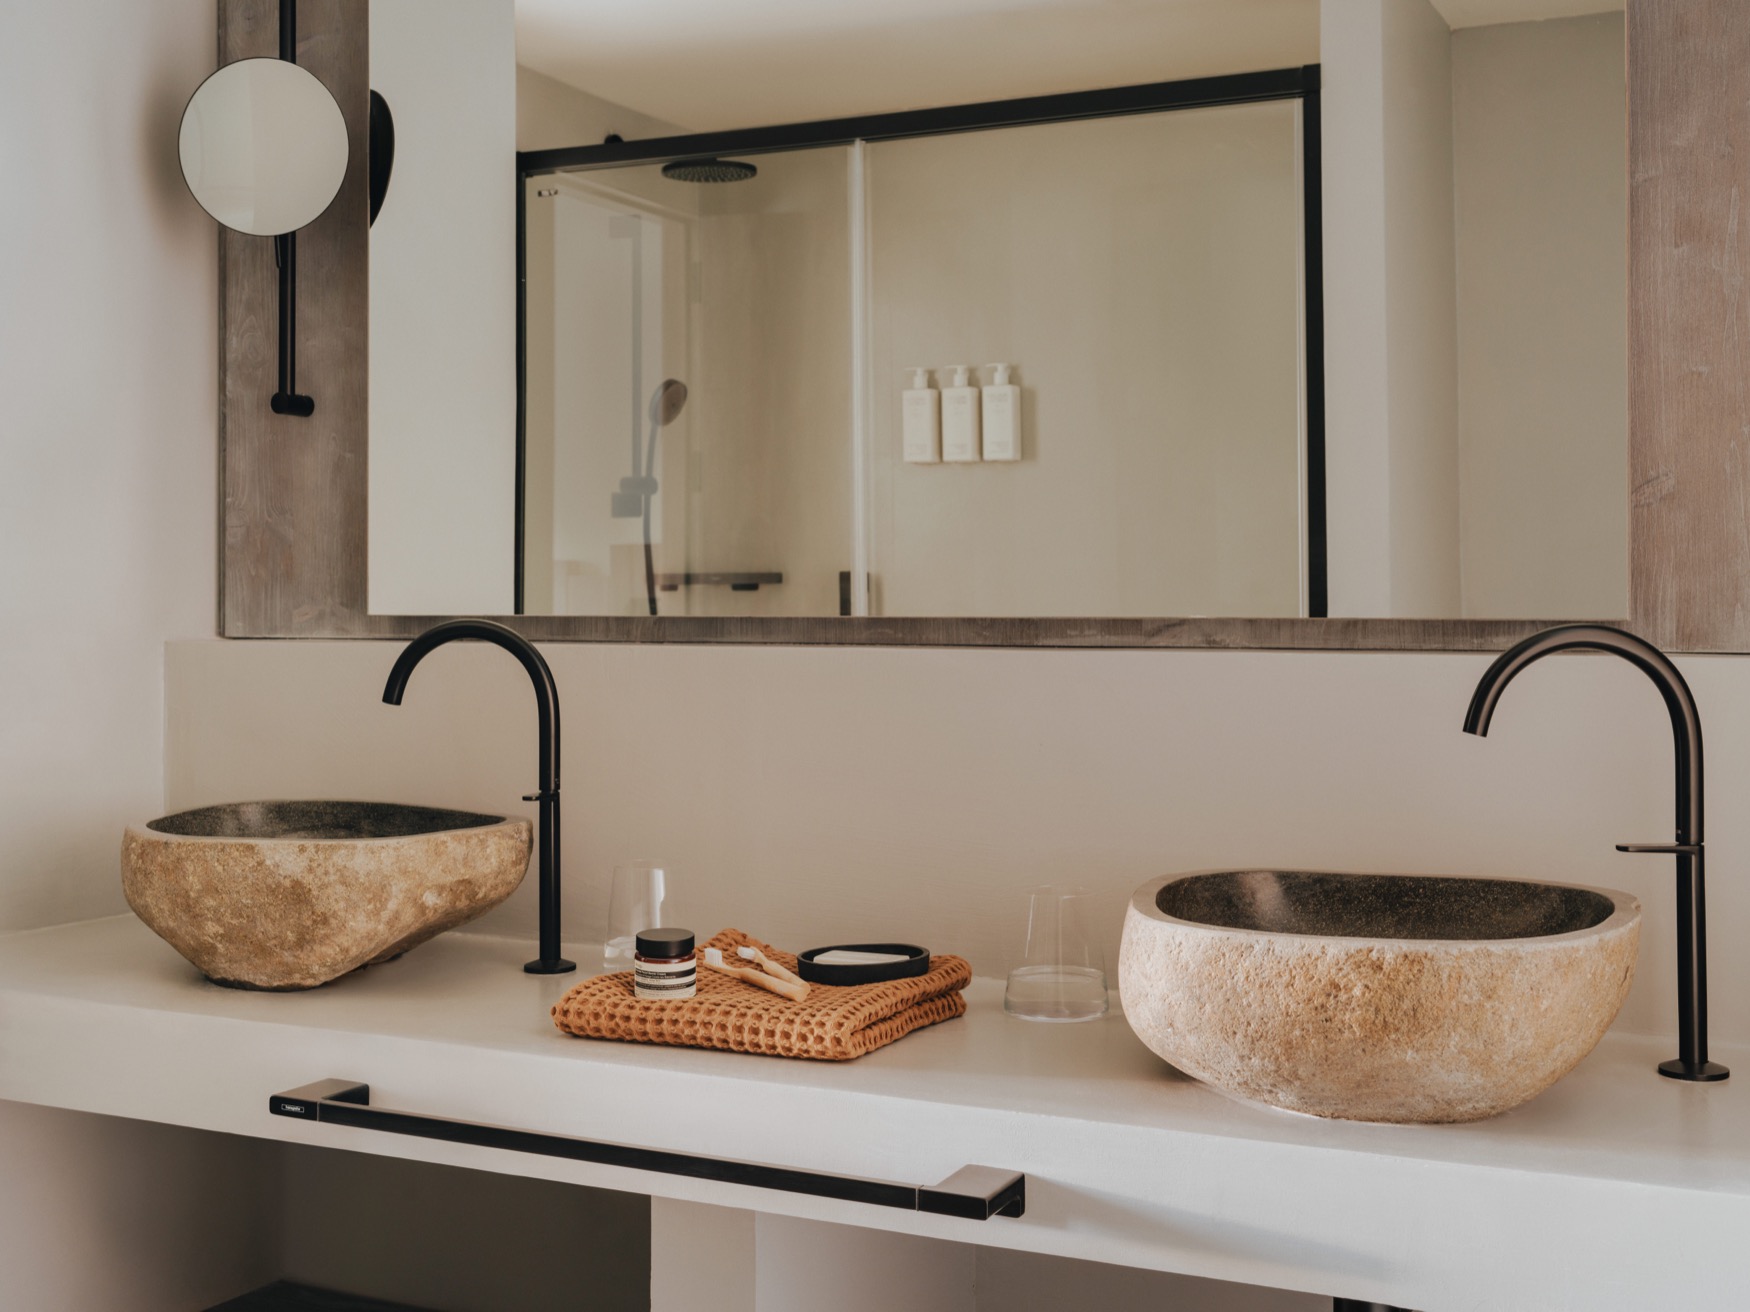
<point x="664" y="965"/>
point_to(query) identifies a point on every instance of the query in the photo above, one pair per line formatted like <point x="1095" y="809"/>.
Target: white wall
<point x="1421" y="311"/>
<point x="1539" y="143"/>
<point x="99" y="1214"/>
<point x="443" y="312"/>
<point x="108" y="350"/>
<point x="551" y="114"/>
<point x="108" y="367"/>
<point x="822" y="795"/>
<point x="742" y="1261"/>
<point x="440" y="1237"/>
<point x="1391" y="376"/>
<point x="1154" y="316"/>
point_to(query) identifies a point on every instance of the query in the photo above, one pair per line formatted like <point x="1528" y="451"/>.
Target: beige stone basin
<point x="289" y="895"/>
<point x="1375" y="997"/>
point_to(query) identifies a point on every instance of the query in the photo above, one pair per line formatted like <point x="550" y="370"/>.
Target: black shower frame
<point x="1300" y="83"/>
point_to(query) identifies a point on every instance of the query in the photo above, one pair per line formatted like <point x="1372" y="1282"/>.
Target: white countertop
<point x="1616" y="1189"/>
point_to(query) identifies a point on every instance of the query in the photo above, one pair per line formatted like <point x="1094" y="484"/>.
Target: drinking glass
<point x="634" y="904"/>
<point x="1062" y="975"/>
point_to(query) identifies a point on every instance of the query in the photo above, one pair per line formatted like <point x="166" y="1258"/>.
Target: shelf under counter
<point x="1126" y="1161"/>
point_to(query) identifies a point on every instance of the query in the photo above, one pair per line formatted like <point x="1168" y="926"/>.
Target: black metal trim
<point x="287" y="401"/>
<point x="1313" y="288"/>
<point x="742" y="581"/>
<point x="1301" y="83"/>
<point x="974" y="1192"/>
<point x="1145" y="98"/>
<point x="520" y="529"/>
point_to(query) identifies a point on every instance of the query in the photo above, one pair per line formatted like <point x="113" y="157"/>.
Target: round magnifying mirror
<point x="263" y="146"/>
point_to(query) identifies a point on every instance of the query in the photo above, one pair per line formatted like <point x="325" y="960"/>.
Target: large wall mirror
<point x="1312" y="323"/>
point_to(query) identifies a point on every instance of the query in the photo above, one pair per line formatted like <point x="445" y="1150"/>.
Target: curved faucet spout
<point x="547" y="713"/>
<point x="1692" y="1063"/>
<point x="1685" y="721"/>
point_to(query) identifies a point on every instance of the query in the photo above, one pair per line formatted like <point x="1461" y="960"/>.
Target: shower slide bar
<point x="974" y="1192"/>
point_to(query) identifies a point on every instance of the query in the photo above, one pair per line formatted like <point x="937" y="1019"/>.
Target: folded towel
<point x="832" y="1024"/>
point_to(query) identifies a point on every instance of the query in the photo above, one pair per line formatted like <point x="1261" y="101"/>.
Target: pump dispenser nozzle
<point x="920" y="377"/>
<point x="1002" y="374"/>
<point x="962" y="375"/>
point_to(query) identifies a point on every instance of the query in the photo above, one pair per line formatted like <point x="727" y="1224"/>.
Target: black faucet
<point x="1692" y="1062"/>
<point x="547" y="707"/>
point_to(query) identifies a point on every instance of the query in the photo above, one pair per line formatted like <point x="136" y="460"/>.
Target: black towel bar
<point x="975" y="1192"/>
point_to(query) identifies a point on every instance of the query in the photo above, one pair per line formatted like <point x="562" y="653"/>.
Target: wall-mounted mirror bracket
<point x="287" y="400"/>
<point x="264" y="149"/>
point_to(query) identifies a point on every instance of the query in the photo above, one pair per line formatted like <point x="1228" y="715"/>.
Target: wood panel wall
<point x="292" y="554"/>
<point x="1689" y="323"/>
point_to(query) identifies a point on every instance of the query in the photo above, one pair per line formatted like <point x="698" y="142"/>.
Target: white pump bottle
<point x="921" y="421"/>
<point x="960" y="418"/>
<point x="1002" y="416"/>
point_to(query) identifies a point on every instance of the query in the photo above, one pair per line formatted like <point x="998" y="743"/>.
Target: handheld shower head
<point x="666" y="405"/>
<point x="667" y="402"/>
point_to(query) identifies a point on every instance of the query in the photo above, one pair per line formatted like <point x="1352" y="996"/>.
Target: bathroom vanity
<point x="817" y="741"/>
<point x="1125" y="1161"/>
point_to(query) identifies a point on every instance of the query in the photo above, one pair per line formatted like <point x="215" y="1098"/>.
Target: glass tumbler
<point x="634" y="904"/>
<point x="1062" y="975"/>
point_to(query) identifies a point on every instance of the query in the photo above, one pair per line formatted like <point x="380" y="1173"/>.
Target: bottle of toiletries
<point x="921" y="420"/>
<point x="664" y="965"/>
<point x="1001" y="416"/>
<point x="960" y="409"/>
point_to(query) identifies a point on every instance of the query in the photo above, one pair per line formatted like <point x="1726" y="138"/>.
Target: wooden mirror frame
<point x="294" y="490"/>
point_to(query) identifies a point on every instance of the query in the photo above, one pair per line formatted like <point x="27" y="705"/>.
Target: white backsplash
<point x="813" y="796"/>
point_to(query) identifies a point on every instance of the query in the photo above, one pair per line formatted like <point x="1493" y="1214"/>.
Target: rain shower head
<point x="708" y="170"/>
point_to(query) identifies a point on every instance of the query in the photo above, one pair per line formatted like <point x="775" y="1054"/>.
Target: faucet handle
<point x="1669" y="849"/>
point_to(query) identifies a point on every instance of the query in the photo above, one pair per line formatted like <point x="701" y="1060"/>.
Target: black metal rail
<point x="975" y="1192"/>
<point x="1111" y="102"/>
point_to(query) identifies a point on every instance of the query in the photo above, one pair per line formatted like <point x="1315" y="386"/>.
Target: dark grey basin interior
<point x="307" y="820"/>
<point x="1382" y="906"/>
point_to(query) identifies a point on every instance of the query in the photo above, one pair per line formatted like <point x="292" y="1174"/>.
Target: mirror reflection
<point x="1188" y="394"/>
<point x="263" y="147"/>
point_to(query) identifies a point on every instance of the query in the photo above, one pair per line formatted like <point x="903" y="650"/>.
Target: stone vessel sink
<point x="289" y="895"/>
<point x="1375" y="997"/>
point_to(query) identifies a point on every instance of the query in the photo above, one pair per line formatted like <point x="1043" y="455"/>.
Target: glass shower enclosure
<point x="718" y="333"/>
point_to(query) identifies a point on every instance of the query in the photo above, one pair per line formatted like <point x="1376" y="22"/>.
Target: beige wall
<point x="1143" y="275"/>
<point x="1475" y="281"/>
<point x="1542" y="215"/>
<point x="818" y="795"/>
<point x="742" y="1261"/>
<point x="107" y="447"/>
<point x="108" y="288"/>
<point x="735" y="66"/>
<point x="458" y="1241"/>
<point x="1391" y="408"/>
<point x="1422" y="366"/>
<point x="99" y="1214"/>
<point x="443" y="385"/>
<point x="551" y="114"/>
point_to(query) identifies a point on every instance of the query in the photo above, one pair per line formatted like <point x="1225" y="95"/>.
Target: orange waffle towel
<point x="832" y="1024"/>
